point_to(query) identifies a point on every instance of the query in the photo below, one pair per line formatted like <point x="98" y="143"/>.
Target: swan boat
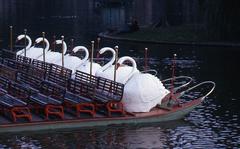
<point x="25" y="107"/>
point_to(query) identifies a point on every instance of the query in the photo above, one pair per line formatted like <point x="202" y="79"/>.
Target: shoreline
<point x="107" y="35"/>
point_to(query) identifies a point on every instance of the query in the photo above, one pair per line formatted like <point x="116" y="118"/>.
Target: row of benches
<point x="33" y="84"/>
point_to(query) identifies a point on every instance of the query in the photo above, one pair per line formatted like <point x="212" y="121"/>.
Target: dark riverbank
<point x="170" y="35"/>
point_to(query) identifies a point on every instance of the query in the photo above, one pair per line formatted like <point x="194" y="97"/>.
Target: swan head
<point x="118" y="65"/>
<point x="64" y="45"/>
<point x="126" y="58"/>
<point x="58" y="41"/>
<point x="38" y="40"/>
<point x="103" y="50"/>
<point x="108" y="65"/>
<point x="134" y="67"/>
<point x="20" y="37"/>
<point x="79" y="48"/>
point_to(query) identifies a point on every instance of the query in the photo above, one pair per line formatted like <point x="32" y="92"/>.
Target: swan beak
<point x="118" y="65"/>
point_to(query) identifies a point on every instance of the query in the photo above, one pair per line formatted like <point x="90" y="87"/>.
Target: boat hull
<point x="157" y="115"/>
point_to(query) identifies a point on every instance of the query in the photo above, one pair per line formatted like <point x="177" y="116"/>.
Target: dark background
<point x="215" y="124"/>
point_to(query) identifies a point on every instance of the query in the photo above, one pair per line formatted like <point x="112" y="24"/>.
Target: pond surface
<point x="215" y="124"/>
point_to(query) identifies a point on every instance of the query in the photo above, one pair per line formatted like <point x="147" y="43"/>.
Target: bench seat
<point x="14" y="107"/>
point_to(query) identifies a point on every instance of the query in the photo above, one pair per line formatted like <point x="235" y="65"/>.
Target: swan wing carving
<point x="142" y="92"/>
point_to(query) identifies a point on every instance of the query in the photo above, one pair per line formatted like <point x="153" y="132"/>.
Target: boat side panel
<point x="101" y="122"/>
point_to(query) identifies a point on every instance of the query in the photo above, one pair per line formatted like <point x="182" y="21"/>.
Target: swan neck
<point x="47" y="45"/>
<point x="29" y="42"/>
<point x="109" y="64"/>
<point x="134" y="67"/>
<point x="64" y="47"/>
<point x="84" y="60"/>
<point x="86" y="55"/>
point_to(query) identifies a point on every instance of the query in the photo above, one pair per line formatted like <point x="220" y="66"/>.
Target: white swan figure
<point x="35" y="53"/>
<point x="107" y="71"/>
<point x="37" y="41"/>
<point x="52" y="57"/>
<point x="85" y="64"/>
<point x="28" y="47"/>
<point x="142" y="91"/>
<point x="72" y="62"/>
<point x="124" y="72"/>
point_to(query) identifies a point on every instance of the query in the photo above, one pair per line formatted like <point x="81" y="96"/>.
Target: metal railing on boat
<point x="205" y="83"/>
<point x="179" y="82"/>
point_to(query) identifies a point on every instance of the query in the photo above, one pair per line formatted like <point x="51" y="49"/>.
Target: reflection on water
<point x="106" y="137"/>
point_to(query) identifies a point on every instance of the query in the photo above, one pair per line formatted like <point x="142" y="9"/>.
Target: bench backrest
<point x="4" y="82"/>
<point x="37" y="72"/>
<point x="16" y="65"/>
<point x="49" y="88"/>
<point x="31" y="80"/>
<point x="24" y="59"/>
<point x="8" y="72"/>
<point x="18" y="91"/>
<point x="4" y="53"/>
<point x="81" y="88"/>
<point x="42" y="65"/>
<point x="85" y="77"/>
<point x="109" y="90"/>
<point x="59" y="75"/>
